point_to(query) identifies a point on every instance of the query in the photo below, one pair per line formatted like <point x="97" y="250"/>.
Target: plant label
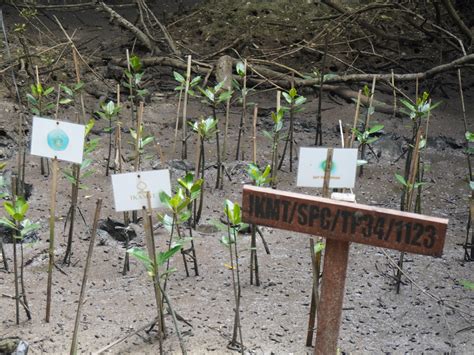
<point x="312" y="164"/>
<point x="130" y="189"/>
<point x="345" y="221"/>
<point x="341" y="223"/>
<point x="57" y="139"/>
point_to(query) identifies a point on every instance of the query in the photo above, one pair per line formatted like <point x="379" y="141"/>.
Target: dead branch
<point x="457" y="20"/>
<point x="373" y="29"/>
<point x="142" y="37"/>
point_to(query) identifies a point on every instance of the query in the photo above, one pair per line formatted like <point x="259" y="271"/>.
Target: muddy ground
<point x="432" y="314"/>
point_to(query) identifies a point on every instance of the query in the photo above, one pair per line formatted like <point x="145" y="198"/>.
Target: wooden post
<point x="336" y="256"/>
<point x="184" y="149"/>
<point x="52" y="222"/>
<point x="254" y="138"/>
<point x="73" y="350"/>
<point x="341" y="223"/>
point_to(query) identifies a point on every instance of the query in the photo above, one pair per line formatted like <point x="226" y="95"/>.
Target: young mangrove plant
<point x="193" y="190"/>
<point x="134" y="83"/>
<point x="206" y="129"/>
<point x="180" y="207"/>
<point x="365" y="139"/>
<point x="295" y="103"/>
<point x="109" y="111"/>
<point x="153" y="266"/>
<point x="190" y="90"/>
<point x="260" y="178"/>
<point x="41" y="103"/>
<point x="275" y="136"/>
<point x="76" y="175"/>
<point x="214" y="96"/>
<point x="412" y="179"/>
<point x="241" y="69"/>
<point x="17" y="222"/>
<point x="234" y="222"/>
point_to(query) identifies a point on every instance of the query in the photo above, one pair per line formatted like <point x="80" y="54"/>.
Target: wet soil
<point x="432" y="314"/>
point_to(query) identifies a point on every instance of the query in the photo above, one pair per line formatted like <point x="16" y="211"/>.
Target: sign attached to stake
<point x="130" y="189"/>
<point x="312" y="164"/>
<point x="341" y="223"/>
<point x="57" y="139"/>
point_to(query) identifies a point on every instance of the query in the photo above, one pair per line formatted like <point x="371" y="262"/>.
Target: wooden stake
<point x="78" y="80"/>
<point x="98" y="207"/>
<point x="184" y="148"/>
<point x="243" y="117"/>
<point x="327" y="172"/>
<point x="394" y="94"/>
<point x="52" y="220"/>
<point x="150" y="245"/>
<point x="316" y="265"/>
<point x="356" y="118"/>
<point x="254" y="138"/>
<point x="177" y="122"/>
<point x="138" y="131"/>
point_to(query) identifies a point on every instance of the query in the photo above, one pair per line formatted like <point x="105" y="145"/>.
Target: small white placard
<point x="312" y="163"/>
<point x="57" y="139"/>
<point x="130" y="189"/>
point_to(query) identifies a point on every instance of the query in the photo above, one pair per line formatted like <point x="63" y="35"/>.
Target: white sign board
<point x="130" y="189"/>
<point x="312" y="164"/>
<point x="57" y="139"/>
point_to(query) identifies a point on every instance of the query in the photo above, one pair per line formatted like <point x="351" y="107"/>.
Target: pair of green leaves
<point x="405" y="183"/>
<point x="182" y="83"/>
<point x="234" y="216"/>
<point x="261" y="178"/>
<point x="161" y="257"/>
<point x="215" y="95"/>
<point x="108" y="110"/>
<point x="17" y="212"/>
<point x="366" y="136"/>
<point x="206" y="128"/>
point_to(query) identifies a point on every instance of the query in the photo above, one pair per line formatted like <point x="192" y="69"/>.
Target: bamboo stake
<point x="366" y="124"/>
<point x="254" y="137"/>
<point x="356" y="119"/>
<point x="150" y="245"/>
<point x="52" y="216"/>
<point x="138" y="131"/>
<point x="15" y="260"/>
<point x="466" y="128"/>
<point x="78" y="80"/>
<point x="394" y="94"/>
<point x="243" y="117"/>
<point x="98" y="207"/>
<point x="177" y="122"/>
<point x="184" y="148"/>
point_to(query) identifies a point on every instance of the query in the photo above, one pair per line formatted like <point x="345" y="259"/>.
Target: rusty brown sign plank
<point x="409" y="232"/>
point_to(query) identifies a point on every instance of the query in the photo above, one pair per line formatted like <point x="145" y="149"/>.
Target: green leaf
<point x="194" y="82"/>
<point x="7" y="223"/>
<point x="31" y="99"/>
<point x="65" y="101"/>
<point x="467" y="284"/>
<point x="287" y="97"/>
<point x="376" y="128"/>
<point x="300" y="100"/>
<point x="163" y="257"/>
<point x="240" y="69"/>
<point x="401" y="180"/>
<point x="318" y="247"/>
<point x="135" y="63"/>
<point x="28" y="227"/>
<point x="178" y="77"/>
<point x="469" y="136"/>
<point x="78" y="86"/>
<point x="47" y="91"/>
<point x="141" y="255"/>
<point x="66" y="89"/>
<point x="9" y="208"/>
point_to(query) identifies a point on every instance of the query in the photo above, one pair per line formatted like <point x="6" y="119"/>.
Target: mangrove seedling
<point x="206" y="129"/>
<point x="193" y="190"/>
<point x="182" y="86"/>
<point x="241" y="69"/>
<point x="109" y="111"/>
<point x="76" y="175"/>
<point x="20" y="226"/>
<point x="260" y="178"/>
<point x="366" y="138"/>
<point x="234" y="220"/>
<point x="274" y="137"/>
<point x="295" y="102"/>
<point x="214" y="96"/>
<point x="179" y="206"/>
<point x="153" y="269"/>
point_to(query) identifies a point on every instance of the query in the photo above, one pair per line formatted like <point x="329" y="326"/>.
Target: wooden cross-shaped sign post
<point x="341" y="223"/>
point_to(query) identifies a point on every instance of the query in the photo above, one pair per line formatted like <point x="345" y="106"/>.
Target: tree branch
<point x="457" y="20"/>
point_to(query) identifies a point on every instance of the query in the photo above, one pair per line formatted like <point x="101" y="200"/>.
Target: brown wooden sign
<point x="408" y="232"/>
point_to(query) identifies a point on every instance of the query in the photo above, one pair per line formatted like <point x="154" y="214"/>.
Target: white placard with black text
<point x="130" y="189"/>
<point x="312" y="164"/>
<point x="57" y="139"/>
